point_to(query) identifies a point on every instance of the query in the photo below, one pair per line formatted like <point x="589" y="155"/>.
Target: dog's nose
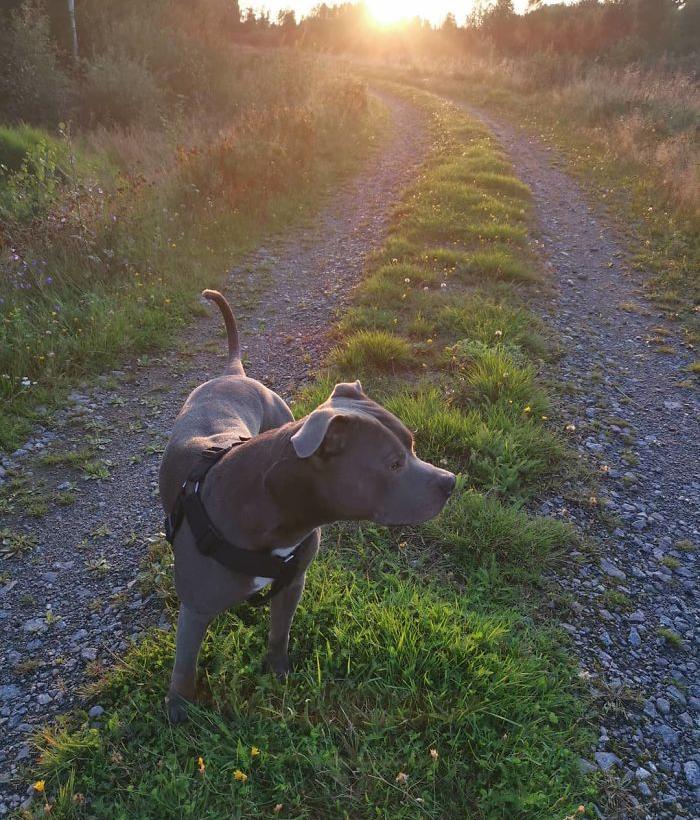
<point x="447" y="482"/>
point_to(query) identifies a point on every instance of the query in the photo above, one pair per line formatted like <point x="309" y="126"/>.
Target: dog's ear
<point x="323" y="428"/>
<point x="348" y="390"/>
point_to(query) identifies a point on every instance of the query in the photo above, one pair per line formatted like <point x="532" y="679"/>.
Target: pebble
<point x="606" y="760"/>
<point x="610" y="569"/>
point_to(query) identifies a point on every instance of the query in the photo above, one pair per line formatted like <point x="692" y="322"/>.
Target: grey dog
<point x="349" y="460"/>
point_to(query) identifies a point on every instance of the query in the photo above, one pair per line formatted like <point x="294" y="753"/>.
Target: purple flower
<point x="49" y="280"/>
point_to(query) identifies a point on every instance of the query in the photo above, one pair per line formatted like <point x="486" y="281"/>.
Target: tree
<point x="73" y="29"/>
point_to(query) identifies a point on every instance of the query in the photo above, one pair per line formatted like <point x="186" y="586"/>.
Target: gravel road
<point x="639" y="426"/>
<point x="70" y="599"/>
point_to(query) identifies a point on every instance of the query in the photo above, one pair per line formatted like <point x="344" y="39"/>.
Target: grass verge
<point x="101" y="263"/>
<point x="422" y="687"/>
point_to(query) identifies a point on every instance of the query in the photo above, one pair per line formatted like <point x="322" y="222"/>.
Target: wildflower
<point x="498" y="333"/>
<point x="403" y="545"/>
<point x="544" y="418"/>
<point x="240" y="776"/>
<point x="49" y="280"/>
<point x="40" y="786"/>
<point x="26" y="382"/>
<point x="402" y="777"/>
<point x="527" y="409"/>
<point x="278" y="808"/>
<point x="443" y="285"/>
<point x="200" y="765"/>
<point x="79" y="799"/>
<point x="426" y="288"/>
<point x="254" y="752"/>
<point x="434" y="754"/>
<point x="407" y="280"/>
<point x="570" y="428"/>
<point x="429" y="341"/>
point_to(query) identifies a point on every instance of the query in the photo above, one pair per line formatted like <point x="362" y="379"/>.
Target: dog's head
<point x="362" y="463"/>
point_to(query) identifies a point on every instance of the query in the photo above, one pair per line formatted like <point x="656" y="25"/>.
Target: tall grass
<point x="108" y="234"/>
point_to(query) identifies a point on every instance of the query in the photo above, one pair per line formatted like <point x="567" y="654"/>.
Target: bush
<point x="32" y="85"/>
<point x="120" y="90"/>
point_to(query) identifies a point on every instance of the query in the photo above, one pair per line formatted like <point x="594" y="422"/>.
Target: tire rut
<point x="636" y="419"/>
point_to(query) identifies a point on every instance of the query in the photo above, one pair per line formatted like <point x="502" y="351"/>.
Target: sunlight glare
<point x="391" y="12"/>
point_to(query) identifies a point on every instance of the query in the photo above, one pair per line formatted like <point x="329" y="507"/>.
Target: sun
<point x="391" y="12"/>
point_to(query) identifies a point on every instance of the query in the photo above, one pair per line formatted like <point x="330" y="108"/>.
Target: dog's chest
<point x="260" y="582"/>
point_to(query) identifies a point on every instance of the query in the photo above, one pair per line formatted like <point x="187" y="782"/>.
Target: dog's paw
<point x="277" y="664"/>
<point x="177" y="708"/>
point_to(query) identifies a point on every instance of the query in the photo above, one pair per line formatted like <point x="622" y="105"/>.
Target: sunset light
<point x="390" y="12"/>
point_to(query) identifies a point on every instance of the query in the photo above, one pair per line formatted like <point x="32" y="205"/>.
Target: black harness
<point x="210" y="542"/>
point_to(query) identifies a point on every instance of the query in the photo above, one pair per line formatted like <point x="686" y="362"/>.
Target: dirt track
<point x="626" y="407"/>
<point x="641" y="427"/>
<point x="85" y="564"/>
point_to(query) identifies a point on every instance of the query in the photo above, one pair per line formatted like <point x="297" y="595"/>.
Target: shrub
<point x="120" y="90"/>
<point x="32" y="85"/>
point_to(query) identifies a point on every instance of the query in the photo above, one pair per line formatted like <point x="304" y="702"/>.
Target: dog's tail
<point x="235" y="365"/>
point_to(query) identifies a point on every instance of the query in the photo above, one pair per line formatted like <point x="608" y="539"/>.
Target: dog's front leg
<point x="282" y="609"/>
<point x="191" y="627"/>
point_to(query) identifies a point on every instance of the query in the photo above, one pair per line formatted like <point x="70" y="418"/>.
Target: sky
<point x="387" y="10"/>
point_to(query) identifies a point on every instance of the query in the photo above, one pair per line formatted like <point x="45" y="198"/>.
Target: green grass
<point x="423" y="685"/>
<point x="671" y="637"/>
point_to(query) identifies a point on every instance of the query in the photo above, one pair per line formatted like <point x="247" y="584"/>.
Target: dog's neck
<point x="259" y="496"/>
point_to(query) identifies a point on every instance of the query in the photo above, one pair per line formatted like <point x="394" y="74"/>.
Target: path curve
<point x="635" y="420"/>
<point x="85" y="565"/>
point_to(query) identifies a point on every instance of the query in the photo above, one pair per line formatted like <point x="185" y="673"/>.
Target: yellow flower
<point x="200" y="765"/>
<point x="254" y="752"/>
<point x="434" y="754"/>
<point x="528" y="409"/>
<point x="402" y="777"/>
<point x="240" y="776"/>
<point x="39" y="786"/>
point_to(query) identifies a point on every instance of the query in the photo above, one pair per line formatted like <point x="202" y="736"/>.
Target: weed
<point x="670" y="562"/>
<point x="617" y="600"/>
<point x="15" y="542"/>
<point x="671" y="637"/>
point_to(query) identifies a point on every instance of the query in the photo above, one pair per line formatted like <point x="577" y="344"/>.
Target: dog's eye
<point x="397" y="465"/>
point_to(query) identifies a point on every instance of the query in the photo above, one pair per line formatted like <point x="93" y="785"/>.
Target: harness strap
<point x="210" y="542"/>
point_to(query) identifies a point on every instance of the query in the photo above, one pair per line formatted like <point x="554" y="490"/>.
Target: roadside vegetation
<point x="133" y="178"/>
<point x="424" y="684"/>
<point x="630" y="133"/>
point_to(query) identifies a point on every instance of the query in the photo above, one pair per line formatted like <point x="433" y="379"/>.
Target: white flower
<point x="26" y="382"/>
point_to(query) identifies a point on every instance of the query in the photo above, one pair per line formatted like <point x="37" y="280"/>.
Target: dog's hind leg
<point x="282" y="609"/>
<point x="191" y="627"/>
